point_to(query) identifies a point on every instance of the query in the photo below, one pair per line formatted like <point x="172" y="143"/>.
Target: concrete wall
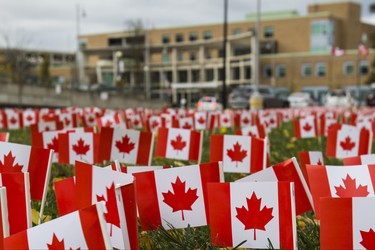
<point x="40" y="96"/>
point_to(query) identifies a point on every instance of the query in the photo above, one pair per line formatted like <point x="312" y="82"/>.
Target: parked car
<point x="300" y="100"/>
<point x="317" y="93"/>
<point x="340" y="98"/>
<point x="208" y="103"/>
<point x="358" y="93"/>
<point x="370" y="97"/>
<point x="273" y="97"/>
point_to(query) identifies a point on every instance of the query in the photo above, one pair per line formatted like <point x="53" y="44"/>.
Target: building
<point x="295" y="52"/>
<point x="59" y="67"/>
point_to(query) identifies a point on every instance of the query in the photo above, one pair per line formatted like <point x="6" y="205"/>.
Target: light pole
<point x="225" y="30"/>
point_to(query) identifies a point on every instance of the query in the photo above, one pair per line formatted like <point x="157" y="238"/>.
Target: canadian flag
<point x="336" y="51"/>
<point x="347" y="223"/>
<point x="240" y="154"/>
<point x="362" y="50"/>
<point x="175" y="196"/>
<point x="253" y="130"/>
<point x="184" y="123"/>
<point x="89" y="119"/>
<point x="200" y="120"/>
<point x="12" y="119"/>
<point x="309" y="158"/>
<point x="325" y="123"/>
<point x="110" y="120"/>
<point x="29" y="117"/>
<point x="360" y="160"/>
<point x="135" y="121"/>
<point x="245" y="119"/>
<point x="83" y="229"/>
<point x="4" y="221"/>
<point x="286" y="171"/>
<point x="23" y="158"/>
<point x="340" y="181"/>
<point x="154" y="123"/>
<point x="65" y="195"/>
<point x="69" y="120"/>
<point x="80" y="146"/>
<point x="305" y="127"/>
<point x="346" y="141"/>
<point x="4" y="136"/>
<point x="181" y="144"/>
<point x="126" y="145"/>
<point x="94" y="184"/>
<point x="140" y="169"/>
<point x="17" y="201"/>
<point x="226" y="119"/>
<point x="255" y="212"/>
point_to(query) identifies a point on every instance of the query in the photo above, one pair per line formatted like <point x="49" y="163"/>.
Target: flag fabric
<point x="17" y="201"/>
<point x="240" y="154"/>
<point x="80" y="146"/>
<point x="340" y="181"/>
<point x="362" y="50"/>
<point x="175" y="196"/>
<point x="4" y="221"/>
<point x="23" y="158"/>
<point x="4" y="136"/>
<point x="154" y="123"/>
<point x="346" y="141"/>
<point x="309" y="158"/>
<point x="347" y="223"/>
<point x="69" y="120"/>
<point x="140" y="169"/>
<point x="184" y="123"/>
<point x="94" y="184"/>
<point x="253" y="130"/>
<point x="29" y="117"/>
<point x="83" y="229"/>
<point x="336" y="51"/>
<point x="257" y="212"/>
<point x="226" y="119"/>
<point x="12" y="119"/>
<point x="200" y="120"/>
<point x="245" y="119"/>
<point x="110" y="120"/>
<point x="360" y="160"/>
<point x="286" y="171"/>
<point x="126" y="145"/>
<point x="65" y="195"/>
<point x="305" y="127"/>
<point x="180" y="144"/>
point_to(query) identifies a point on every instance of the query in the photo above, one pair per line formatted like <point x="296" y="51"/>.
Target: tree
<point x="15" y="59"/>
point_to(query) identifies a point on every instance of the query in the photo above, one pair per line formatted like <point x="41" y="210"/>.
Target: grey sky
<point x="51" y="24"/>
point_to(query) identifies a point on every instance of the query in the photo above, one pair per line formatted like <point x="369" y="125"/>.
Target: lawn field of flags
<point x="92" y="178"/>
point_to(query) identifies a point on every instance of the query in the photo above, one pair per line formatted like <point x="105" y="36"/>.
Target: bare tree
<point x="15" y="58"/>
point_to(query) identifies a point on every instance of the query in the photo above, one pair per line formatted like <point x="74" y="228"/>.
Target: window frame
<point x="303" y="69"/>
<point x="317" y="66"/>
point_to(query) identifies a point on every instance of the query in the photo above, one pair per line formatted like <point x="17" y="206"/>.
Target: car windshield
<point x="338" y="93"/>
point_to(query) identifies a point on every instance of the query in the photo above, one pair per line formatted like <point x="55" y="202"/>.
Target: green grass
<point x="282" y="146"/>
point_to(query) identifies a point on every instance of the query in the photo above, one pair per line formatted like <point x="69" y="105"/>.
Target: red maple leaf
<point x="67" y="121"/>
<point x="272" y="121"/>
<point x="350" y="190"/>
<point x="347" y="144"/>
<point x="186" y="126"/>
<point x="13" y="120"/>
<point x="319" y="162"/>
<point x="136" y="122"/>
<point x="8" y="164"/>
<point x="111" y="215"/>
<point x="225" y="120"/>
<point x="91" y="119"/>
<point x="125" y="145"/>
<point x="54" y="144"/>
<point x="108" y="124"/>
<point x="56" y="244"/>
<point x="46" y="128"/>
<point x="253" y="217"/>
<point x="178" y="144"/>
<point x="29" y="118"/>
<point x="245" y="120"/>
<point x="201" y="120"/>
<point x="236" y="154"/>
<point x="368" y="239"/>
<point x="250" y="134"/>
<point x="307" y="127"/>
<point x="81" y="148"/>
<point x="180" y="200"/>
<point x="154" y="124"/>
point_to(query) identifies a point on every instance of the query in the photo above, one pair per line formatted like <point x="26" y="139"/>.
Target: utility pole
<point x="225" y="30"/>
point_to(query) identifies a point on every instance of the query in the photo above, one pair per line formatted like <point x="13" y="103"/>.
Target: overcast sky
<point x="52" y="25"/>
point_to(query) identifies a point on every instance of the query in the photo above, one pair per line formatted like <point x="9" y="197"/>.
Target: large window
<point x="193" y="56"/>
<point x="193" y="36"/>
<point x="348" y="68"/>
<point x="320" y="69"/>
<point x="209" y="75"/>
<point x="179" y="37"/>
<point x="207" y="35"/>
<point x="268" y="31"/>
<point x="280" y="70"/>
<point x="180" y="56"/>
<point x="236" y="31"/>
<point x="363" y="67"/>
<point x="165" y="39"/>
<point x="321" y="35"/>
<point x="306" y="70"/>
<point x="267" y="71"/>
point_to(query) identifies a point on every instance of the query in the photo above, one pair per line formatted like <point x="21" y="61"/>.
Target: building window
<point x="195" y="75"/>
<point x="236" y="31"/>
<point x="207" y="54"/>
<point x="363" y="67"/>
<point x="193" y="36"/>
<point x="193" y="56"/>
<point x="348" y="68"/>
<point x="236" y="73"/>
<point x="320" y="69"/>
<point x="179" y="37"/>
<point x="180" y="56"/>
<point x="207" y="35"/>
<point x="280" y="70"/>
<point x="182" y="76"/>
<point x="306" y="70"/>
<point x="209" y="75"/>
<point x="268" y="31"/>
<point x="267" y="71"/>
<point x="165" y="39"/>
<point x="247" y="72"/>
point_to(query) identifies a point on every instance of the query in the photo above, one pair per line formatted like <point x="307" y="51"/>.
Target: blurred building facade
<point x="295" y="51"/>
